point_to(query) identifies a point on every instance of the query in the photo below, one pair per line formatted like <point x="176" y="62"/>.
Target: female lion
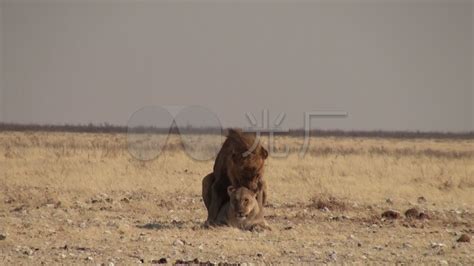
<point x="242" y="210"/>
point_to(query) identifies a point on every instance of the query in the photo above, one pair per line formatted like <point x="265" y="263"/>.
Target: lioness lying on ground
<point x="242" y="210"/>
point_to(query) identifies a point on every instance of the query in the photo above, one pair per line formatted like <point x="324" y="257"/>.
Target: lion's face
<point x="250" y="167"/>
<point x="242" y="202"/>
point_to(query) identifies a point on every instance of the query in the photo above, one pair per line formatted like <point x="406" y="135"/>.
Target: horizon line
<point x="173" y="129"/>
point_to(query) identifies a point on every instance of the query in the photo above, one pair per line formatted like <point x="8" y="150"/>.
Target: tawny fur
<point x="242" y="210"/>
<point x="234" y="167"/>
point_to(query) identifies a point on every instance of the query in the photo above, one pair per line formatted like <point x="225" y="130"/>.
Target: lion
<point x="239" y="163"/>
<point x="242" y="210"/>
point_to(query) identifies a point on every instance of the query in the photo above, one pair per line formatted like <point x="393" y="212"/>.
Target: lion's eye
<point x="246" y="200"/>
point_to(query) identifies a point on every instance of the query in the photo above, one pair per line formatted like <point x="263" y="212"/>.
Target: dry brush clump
<point x="329" y="203"/>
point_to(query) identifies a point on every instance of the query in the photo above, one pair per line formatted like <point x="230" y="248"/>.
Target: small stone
<point x="126" y="200"/>
<point x="412" y="213"/>
<point x="464" y="238"/>
<point x="421" y="199"/>
<point x="443" y="262"/>
<point x="89" y="258"/>
<point x="259" y="254"/>
<point x="178" y="242"/>
<point x="391" y="214"/>
<point x="29" y="252"/>
<point x="437" y="245"/>
<point x="63" y="256"/>
<point x="332" y="255"/>
<point x="160" y="261"/>
<point x="111" y="264"/>
<point x="3" y="236"/>
<point x="423" y="216"/>
<point x="389" y="201"/>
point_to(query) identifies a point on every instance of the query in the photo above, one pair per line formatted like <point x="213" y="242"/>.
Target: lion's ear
<point x="231" y="190"/>
<point x="264" y="153"/>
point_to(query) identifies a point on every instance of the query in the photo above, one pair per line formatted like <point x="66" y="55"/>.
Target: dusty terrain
<point x="81" y="198"/>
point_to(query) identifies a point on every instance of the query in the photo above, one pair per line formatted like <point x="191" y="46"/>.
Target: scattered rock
<point x="443" y="262"/>
<point x="89" y="258"/>
<point x="21" y="208"/>
<point x="28" y="251"/>
<point x="391" y="214"/>
<point x="178" y="242"/>
<point x="389" y="201"/>
<point x="332" y="256"/>
<point x="421" y="199"/>
<point x="423" y="216"/>
<point x="464" y="238"/>
<point x="191" y="262"/>
<point x="126" y="200"/>
<point x="160" y="261"/>
<point x="259" y="254"/>
<point x="3" y="236"/>
<point x="412" y="213"/>
<point x="437" y="245"/>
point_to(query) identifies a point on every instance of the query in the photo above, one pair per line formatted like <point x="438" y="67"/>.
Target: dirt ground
<point x="71" y="198"/>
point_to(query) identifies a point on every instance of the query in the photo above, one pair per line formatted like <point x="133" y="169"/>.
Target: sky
<point x="390" y="65"/>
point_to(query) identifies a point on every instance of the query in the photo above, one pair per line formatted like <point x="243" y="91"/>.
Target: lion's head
<point x="242" y="202"/>
<point x="246" y="163"/>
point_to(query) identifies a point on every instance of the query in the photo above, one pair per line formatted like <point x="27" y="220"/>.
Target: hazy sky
<point x="392" y="65"/>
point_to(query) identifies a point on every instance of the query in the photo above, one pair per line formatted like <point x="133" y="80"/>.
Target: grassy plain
<point x="83" y="198"/>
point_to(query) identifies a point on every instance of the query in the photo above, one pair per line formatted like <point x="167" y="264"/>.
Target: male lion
<point x="242" y="210"/>
<point x="239" y="163"/>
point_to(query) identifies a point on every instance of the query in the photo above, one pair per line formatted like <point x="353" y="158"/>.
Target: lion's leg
<point x="207" y="182"/>
<point x="218" y="199"/>
<point x="259" y="226"/>
<point x="262" y="194"/>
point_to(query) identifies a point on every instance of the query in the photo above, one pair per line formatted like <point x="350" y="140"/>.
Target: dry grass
<point x="85" y="191"/>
